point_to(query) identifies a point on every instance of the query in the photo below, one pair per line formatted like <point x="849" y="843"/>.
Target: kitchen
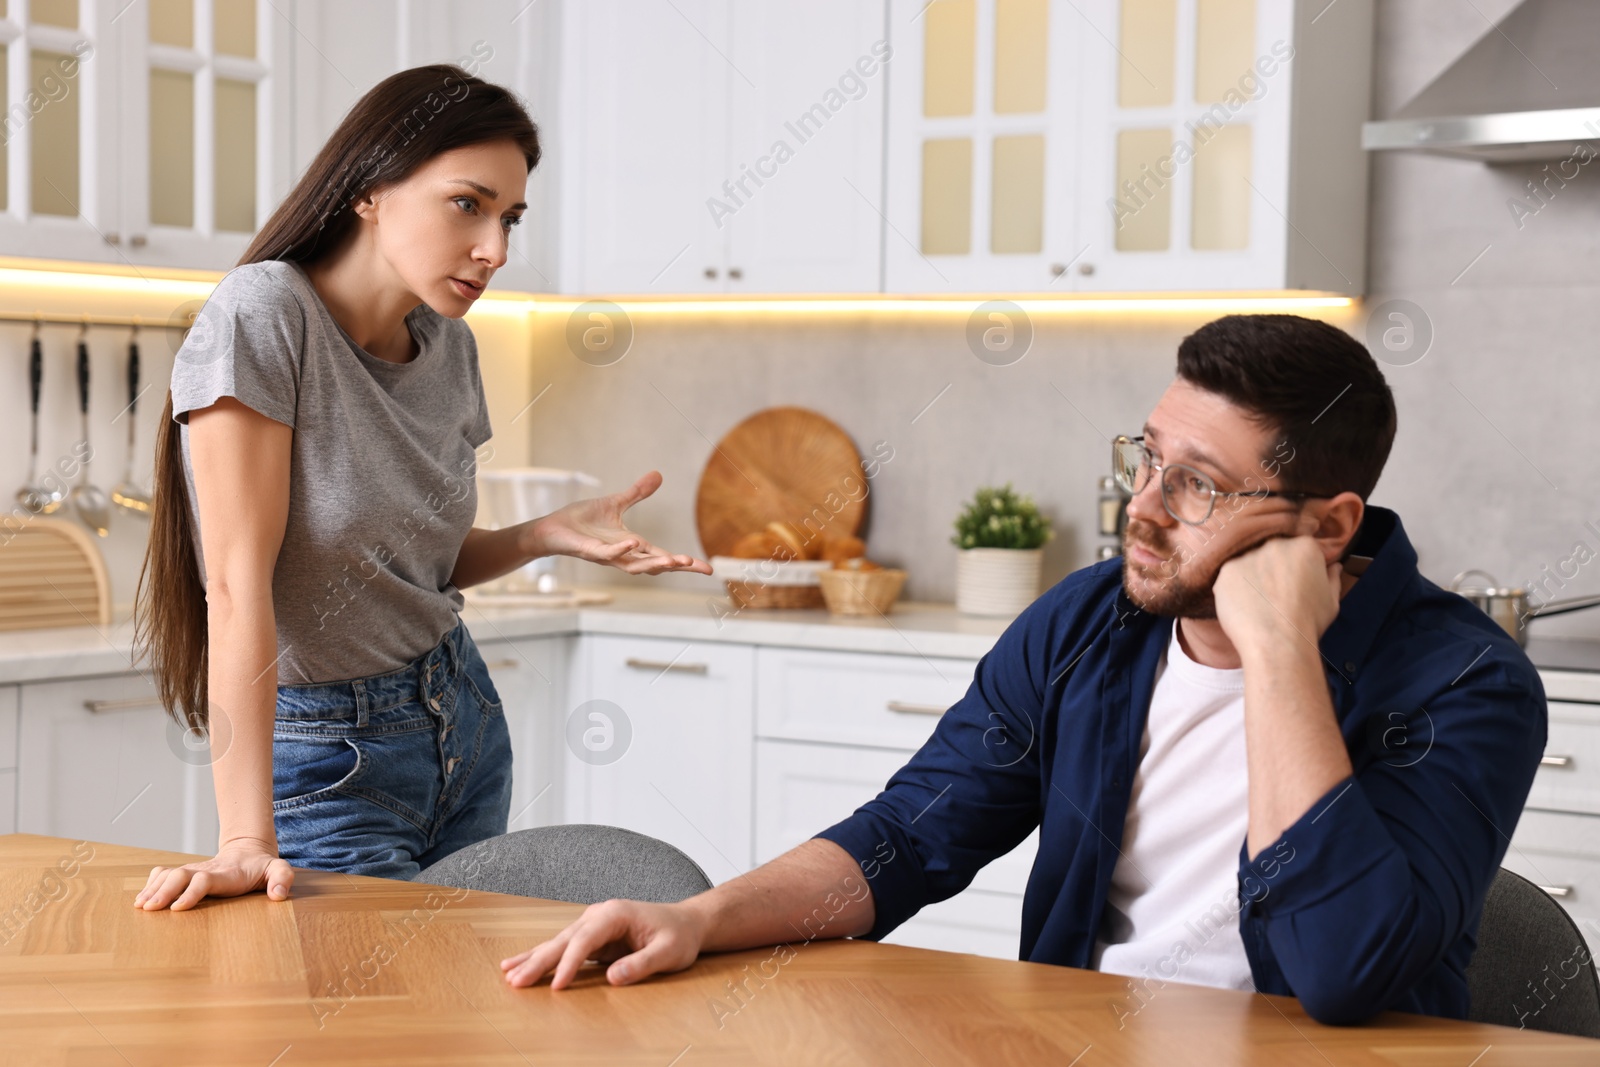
<point x="740" y="216"/>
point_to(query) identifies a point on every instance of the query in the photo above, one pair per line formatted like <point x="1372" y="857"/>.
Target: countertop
<point x="910" y="628"/>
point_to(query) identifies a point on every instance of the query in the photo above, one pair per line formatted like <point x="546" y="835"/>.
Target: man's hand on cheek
<point x="1279" y="589"/>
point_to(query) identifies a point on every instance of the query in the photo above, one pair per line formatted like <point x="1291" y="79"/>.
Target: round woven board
<point x="783" y="463"/>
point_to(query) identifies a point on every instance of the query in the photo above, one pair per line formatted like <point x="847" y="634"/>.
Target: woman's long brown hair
<point x="401" y="123"/>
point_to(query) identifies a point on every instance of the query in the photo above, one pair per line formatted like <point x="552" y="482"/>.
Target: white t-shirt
<point x="1172" y="911"/>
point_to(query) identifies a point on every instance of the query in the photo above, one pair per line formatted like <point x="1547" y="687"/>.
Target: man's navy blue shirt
<point x="1369" y="901"/>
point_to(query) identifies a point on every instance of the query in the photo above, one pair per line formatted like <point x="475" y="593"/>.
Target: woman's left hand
<point x="593" y="530"/>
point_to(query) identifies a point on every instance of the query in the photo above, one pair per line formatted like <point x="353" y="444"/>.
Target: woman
<point x="312" y="518"/>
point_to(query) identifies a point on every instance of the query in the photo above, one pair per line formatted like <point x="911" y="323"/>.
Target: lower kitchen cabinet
<point x="530" y="675"/>
<point x="802" y="788"/>
<point x="1560" y="853"/>
<point x="660" y="743"/>
<point x="98" y="759"/>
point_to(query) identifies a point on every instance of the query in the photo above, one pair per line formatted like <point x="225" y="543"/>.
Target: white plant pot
<point x="997" y="581"/>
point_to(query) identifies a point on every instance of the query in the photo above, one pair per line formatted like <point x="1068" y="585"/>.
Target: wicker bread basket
<point x="852" y="592"/>
<point x="766" y="583"/>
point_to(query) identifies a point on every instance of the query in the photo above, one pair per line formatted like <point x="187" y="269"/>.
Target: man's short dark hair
<point x="1312" y="384"/>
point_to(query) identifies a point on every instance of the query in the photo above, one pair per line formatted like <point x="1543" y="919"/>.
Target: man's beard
<point x="1179" y="591"/>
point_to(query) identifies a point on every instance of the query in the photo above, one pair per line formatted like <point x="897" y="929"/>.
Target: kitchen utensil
<point x="519" y="494"/>
<point x="785" y="464"/>
<point x="1511" y="607"/>
<point x="89" y="499"/>
<point x="128" y="495"/>
<point x="53" y="574"/>
<point x="34" y="497"/>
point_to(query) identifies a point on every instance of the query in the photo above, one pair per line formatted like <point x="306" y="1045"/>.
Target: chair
<point x="578" y="863"/>
<point x="1532" y="968"/>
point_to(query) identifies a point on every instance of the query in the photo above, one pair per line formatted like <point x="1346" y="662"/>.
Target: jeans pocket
<point x="306" y="769"/>
<point x="482" y="686"/>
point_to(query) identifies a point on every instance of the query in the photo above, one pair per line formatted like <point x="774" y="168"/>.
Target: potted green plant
<point x="1001" y="536"/>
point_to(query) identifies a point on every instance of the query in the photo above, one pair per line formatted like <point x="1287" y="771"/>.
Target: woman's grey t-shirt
<point x="382" y="476"/>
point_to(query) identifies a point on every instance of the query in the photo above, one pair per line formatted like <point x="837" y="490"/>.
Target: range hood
<point x="1527" y="91"/>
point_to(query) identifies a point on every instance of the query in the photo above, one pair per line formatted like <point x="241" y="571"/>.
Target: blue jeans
<point x="386" y="774"/>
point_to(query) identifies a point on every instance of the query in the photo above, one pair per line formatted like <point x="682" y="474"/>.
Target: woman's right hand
<point x="235" y="870"/>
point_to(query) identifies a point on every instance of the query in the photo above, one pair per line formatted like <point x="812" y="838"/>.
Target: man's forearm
<point x="815" y="890"/>
<point x="487" y="554"/>
<point x="1295" y="751"/>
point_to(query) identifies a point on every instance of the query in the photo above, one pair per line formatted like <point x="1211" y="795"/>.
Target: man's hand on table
<point x="237" y="868"/>
<point x="637" y="938"/>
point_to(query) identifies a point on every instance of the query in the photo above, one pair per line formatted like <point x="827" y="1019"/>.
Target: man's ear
<point x="1338" y="519"/>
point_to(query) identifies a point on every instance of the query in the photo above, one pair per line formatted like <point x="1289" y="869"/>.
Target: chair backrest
<point x="1532" y="968"/>
<point x="578" y="863"/>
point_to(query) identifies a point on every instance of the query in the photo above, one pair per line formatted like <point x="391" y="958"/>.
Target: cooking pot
<point x="1510" y="605"/>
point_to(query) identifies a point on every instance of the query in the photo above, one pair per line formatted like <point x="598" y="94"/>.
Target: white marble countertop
<point x="910" y="628"/>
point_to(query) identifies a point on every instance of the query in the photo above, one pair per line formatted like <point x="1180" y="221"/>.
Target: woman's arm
<point x="241" y="477"/>
<point x="587" y="529"/>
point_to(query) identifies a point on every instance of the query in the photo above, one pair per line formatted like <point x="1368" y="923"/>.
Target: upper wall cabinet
<point x="142" y="133"/>
<point x="712" y="146"/>
<point x="1127" y="145"/>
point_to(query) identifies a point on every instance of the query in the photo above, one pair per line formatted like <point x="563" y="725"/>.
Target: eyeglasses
<point x="1189" y="495"/>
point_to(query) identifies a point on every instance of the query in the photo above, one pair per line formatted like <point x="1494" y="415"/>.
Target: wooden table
<point x="369" y="971"/>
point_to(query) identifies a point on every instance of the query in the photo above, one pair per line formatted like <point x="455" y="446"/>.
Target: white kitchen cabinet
<point x="100" y="760"/>
<point x="982" y="145"/>
<point x="832" y="728"/>
<point x="1556" y="844"/>
<point x="804" y="788"/>
<point x="59" y="164"/>
<point x="672" y="179"/>
<point x="660" y="742"/>
<point x="1127" y="145"/>
<point x="167" y="145"/>
<point x="530" y="674"/>
<point x="1221" y="145"/>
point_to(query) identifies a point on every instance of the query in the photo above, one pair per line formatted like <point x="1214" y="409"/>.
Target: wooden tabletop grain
<point x="353" y="971"/>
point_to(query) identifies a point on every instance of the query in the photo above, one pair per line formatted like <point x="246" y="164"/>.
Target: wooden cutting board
<point x="782" y="463"/>
<point x="51" y="574"/>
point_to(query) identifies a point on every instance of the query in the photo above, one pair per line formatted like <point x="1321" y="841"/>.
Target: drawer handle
<point x="905" y="708"/>
<point x="98" y="706"/>
<point x="663" y="665"/>
<point x="1557" y="890"/>
<point x="502" y="664"/>
<point x="1555" y="761"/>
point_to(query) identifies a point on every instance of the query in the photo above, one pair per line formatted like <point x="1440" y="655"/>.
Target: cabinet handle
<point x="905" y="708"/>
<point x="736" y="273"/>
<point x="1555" y="761"/>
<point x="1557" y="890"/>
<point x="137" y="240"/>
<point x="1085" y="269"/>
<point x="98" y="706"/>
<point x="663" y="665"/>
<point x="113" y="238"/>
<point x="1057" y="269"/>
<point x="498" y="664"/>
<point x="711" y="272"/>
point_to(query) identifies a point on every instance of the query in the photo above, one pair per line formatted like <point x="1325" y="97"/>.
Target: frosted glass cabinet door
<point x="58" y="91"/>
<point x="982" y="145"/>
<point x="1186" y="107"/>
<point x="205" y="124"/>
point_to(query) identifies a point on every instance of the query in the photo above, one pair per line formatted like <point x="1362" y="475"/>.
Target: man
<point x="1262" y="750"/>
